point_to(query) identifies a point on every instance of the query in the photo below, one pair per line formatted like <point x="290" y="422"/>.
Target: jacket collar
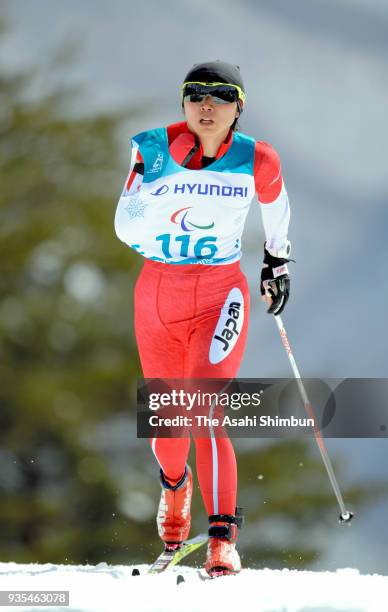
<point x="180" y="136"/>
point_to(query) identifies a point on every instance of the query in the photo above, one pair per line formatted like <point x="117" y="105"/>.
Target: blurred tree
<point x="68" y="357"/>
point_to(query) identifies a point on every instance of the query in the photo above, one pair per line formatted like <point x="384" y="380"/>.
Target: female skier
<point x="183" y="209"/>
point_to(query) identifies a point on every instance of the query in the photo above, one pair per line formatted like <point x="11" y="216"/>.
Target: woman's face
<point x="208" y="118"/>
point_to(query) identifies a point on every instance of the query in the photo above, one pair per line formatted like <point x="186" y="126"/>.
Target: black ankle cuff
<point x="227" y="532"/>
<point x="166" y="485"/>
<point x="232" y="519"/>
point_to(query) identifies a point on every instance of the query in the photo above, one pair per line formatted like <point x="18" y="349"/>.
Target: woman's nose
<point x="207" y="102"/>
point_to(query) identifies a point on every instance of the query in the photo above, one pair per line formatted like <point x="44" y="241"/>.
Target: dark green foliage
<point x="68" y="357"/>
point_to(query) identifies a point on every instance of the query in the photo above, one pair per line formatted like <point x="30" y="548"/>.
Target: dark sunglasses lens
<point x="194" y="90"/>
<point x="229" y="94"/>
<point x="198" y="92"/>
<point x="196" y="97"/>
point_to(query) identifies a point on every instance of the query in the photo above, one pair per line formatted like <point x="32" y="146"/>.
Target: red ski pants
<point x="191" y="321"/>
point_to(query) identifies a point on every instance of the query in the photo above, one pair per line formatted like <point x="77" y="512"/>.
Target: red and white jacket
<point x="269" y="184"/>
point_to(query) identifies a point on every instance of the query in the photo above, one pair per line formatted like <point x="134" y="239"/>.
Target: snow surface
<point x="105" y="588"/>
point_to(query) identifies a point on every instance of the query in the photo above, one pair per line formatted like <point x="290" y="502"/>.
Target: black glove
<point x="275" y="280"/>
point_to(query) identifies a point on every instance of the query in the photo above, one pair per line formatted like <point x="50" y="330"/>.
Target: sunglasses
<point x="222" y="93"/>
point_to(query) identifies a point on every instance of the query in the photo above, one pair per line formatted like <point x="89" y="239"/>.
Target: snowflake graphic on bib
<point x="135" y="207"/>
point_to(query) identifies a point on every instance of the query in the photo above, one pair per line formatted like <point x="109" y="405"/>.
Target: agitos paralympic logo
<point x="179" y="216"/>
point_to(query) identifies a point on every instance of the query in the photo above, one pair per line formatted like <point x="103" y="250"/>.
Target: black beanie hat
<point x="215" y="72"/>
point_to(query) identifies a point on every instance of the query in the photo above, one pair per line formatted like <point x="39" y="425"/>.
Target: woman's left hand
<point x="276" y="293"/>
<point x="275" y="281"/>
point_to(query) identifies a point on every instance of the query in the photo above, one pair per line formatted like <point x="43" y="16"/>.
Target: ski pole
<point x="345" y="516"/>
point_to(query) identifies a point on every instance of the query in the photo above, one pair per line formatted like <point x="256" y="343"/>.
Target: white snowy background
<point x="316" y="75"/>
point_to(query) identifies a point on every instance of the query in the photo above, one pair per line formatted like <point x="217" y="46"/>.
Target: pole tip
<point x="345" y="518"/>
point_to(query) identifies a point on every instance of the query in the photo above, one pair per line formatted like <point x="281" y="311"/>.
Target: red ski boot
<point x="222" y="556"/>
<point x="173" y="518"/>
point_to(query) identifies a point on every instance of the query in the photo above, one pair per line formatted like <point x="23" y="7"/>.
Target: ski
<point x="169" y="558"/>
<point x="203" y="576"/>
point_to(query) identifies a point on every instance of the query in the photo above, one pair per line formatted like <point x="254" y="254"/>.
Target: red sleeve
<point x="267" y="171"/>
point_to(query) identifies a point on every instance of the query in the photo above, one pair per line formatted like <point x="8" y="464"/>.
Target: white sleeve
<point x="132" y="185"/>
<point x="276" y="219"/>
